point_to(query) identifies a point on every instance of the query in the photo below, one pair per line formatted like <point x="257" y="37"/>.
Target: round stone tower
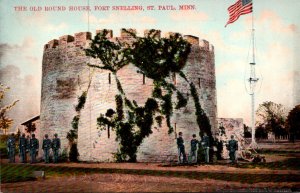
<point x="66" y="76"/>
<point x="64" y="73"/>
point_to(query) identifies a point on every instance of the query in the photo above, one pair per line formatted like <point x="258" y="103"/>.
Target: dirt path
<point x="226" y="168"/>
<point x="135" y="183"/>
<point x="222" y="167"/>
<point x="118" y="182"/>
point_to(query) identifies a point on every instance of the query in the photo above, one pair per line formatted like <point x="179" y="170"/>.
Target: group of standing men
<point x="204" y="143"/>
<point x="31" y="145"/>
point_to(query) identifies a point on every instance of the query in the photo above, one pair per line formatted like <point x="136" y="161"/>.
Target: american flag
<point x="241" y="7"/>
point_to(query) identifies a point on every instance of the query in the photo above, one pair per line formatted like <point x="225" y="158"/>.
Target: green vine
<point x="72" y="135"/>
<point x="182" y="102"/>
<point x="129" y="104"/>
<point x="202" y="119"/>
<point x="129" y="138"/>
<point x="158" y="120"/>
<point x="119" y="104"/>
<point x="183" y="76"/>
<point x="113" y="55"/>
<point x="157" y="58"/>
<point x="81" y="101"/>
<point x="119" y="86"/>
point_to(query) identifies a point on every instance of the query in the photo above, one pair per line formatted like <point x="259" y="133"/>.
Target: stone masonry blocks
<point x="66" y="75"/>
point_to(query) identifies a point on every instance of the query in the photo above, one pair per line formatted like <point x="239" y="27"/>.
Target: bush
<point x="119" y="157"/>
<point x="64" y="156"/>
<point x="3" y="152"/>
<point x="219" y="152"/>
<point x="73" y="154"/>
<point x="261" y="133"/>
<point x="201" y="154"/>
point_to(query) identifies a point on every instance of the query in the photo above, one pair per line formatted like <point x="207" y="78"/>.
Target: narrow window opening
<point x="199" y="82"/>
<point x="109" y="78"/>
<point x="108" y="132"/>
<point x="144" y="79"/>
<point x="175" y="131"/>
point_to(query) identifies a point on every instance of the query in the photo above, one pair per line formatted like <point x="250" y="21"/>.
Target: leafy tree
<point x="30" y="127"/>
<point x="293" y="123"/>
<point x="261" y="133"/>
<point x="5" y="121"/>
<point x="247" y="133"/>
<point x="272" y="118"/>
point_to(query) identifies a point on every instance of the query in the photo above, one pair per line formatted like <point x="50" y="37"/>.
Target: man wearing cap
<point x="232" y="148"/>
<point x="34" y="147"/>
<point x="55" y="148"/>
<point x="11" y="145"/>
<point x="46" y="148"/>
<point x="23" y="147"/>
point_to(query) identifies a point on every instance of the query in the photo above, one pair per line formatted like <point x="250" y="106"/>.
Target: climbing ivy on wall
<point x="81" y="101"/>
<point x="72" y="135"/>
<point x="202" y="118"/>
<point x="157" y="58"/>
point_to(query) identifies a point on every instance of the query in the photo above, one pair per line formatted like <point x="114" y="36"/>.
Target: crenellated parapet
<point x="205" y="45"/>
<point x="63" y="40"/>
<point x="155" y="33"/>
<point x="80" y="39"/>
<point x="192" y="39"/>
<point x="109" y="34"/>
<point x="127" y="33"/>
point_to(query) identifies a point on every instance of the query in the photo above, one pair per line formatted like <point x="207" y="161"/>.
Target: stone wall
<point x="66" y="75"/>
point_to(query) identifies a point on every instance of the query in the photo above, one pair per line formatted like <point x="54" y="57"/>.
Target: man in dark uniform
<point x="46" y="148"/>
<point x="22" y="148"/>
<point x="55" y="148"/>
<point x="181" y="150"/>
<point x="34" y="147"/>
<point x="11" y="145"/>
<point x="205" y="145"/>
<point x="27" y="146"/>
<point x="232" y="148"/>
<point x="194" y="145"/>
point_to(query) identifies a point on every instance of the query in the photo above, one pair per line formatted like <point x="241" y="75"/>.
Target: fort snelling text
<point x="105" y="8"/>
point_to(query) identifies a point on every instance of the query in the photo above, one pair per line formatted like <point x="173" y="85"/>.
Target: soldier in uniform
<point x="181" y="150"/>
<point x="27" y="146"/>
<point x="232" y="148"/>
<point x="34" y="147"/>
<point x="11" y="145"/>
<point x="205" y="145"/>
<point x="194" y="143"/>
<point x="22" y="148"/>
<point x="46" y="148"/>
<point x="55" y="147"/>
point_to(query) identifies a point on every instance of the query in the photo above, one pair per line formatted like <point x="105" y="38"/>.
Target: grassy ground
<point x="272" y="151"/>
<point x="287" y="164"/>
<point x="17" y="172"/>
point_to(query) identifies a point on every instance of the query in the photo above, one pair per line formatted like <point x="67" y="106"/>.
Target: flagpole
<point x="239" y="8"/>
<point x="253" y="80"/>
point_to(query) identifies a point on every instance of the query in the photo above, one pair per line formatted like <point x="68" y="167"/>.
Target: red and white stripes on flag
<point x="241" y="7"/>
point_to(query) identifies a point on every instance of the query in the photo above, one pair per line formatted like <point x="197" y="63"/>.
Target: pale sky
<point x="276" y="22"/>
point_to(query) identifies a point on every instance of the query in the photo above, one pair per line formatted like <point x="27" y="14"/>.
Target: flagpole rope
<point x="253" y="42"/>
<point x="246" y="64"/>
